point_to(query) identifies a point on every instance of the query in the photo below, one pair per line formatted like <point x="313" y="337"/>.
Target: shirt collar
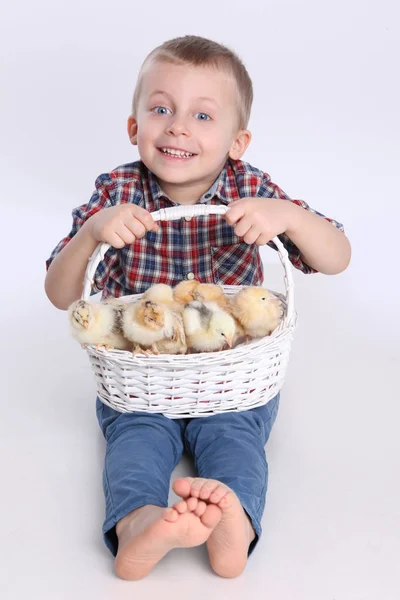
<point x="217" y="189"/>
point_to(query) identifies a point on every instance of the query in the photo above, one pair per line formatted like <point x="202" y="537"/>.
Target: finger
<point x="145" y="218"/>
<point x="244" y="225"/>
<point x="134" y="226"/>
<point x="262" y="239"/>
<point x="126" y="233"/>
<point x="234" y="213"/>
<point x="252" y="234"/>
<point x="114" y="239"/>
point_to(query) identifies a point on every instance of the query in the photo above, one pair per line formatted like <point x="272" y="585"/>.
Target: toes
<point x="211" y="517"/>
<point x="208" y="488"/>
<point x="192" y="504"/>
<point x="200" y="488"/>
<point x="197" y="484"/>
<point x="171" y="515"/>
<point x="218" y="494"/>
<point x="181" y="486"/>
<point x="200" y="508"/>
<point x="226" y="501"/>
<point x="181" y="507"/>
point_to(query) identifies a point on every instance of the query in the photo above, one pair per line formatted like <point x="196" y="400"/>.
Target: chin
<point x="174" y="175"/>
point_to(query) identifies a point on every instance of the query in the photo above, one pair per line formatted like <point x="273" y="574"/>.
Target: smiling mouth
<point x="176" y="154"/>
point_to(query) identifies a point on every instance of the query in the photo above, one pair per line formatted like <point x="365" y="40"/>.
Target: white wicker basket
<point x="195" y="385"/>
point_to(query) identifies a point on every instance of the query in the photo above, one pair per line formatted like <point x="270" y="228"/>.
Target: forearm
<point x="322" y="246"/>
<point x="65" y="276"/>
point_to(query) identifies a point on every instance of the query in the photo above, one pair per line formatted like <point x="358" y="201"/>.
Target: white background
<point x="326" y="127"/>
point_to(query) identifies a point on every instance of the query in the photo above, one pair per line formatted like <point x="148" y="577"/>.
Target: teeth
<point x="179" y="153"/>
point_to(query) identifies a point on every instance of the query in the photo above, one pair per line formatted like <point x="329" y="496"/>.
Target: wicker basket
<point x="201" y="384"/>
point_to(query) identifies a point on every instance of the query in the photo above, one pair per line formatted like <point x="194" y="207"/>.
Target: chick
<point x="177" y="343"/>
<point x="210" y="292"/>
<point x="184" y="291"/>
<point x="162" y="294"/>
<point x="98" y="324"/>
<point x="257" y="310"/>
<point x="208" y="328"/>
<point x="150" y="326"/>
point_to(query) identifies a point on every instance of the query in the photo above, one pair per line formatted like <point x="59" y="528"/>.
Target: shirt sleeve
<point x="269" y="189"/>
<point x="103" y="197"/>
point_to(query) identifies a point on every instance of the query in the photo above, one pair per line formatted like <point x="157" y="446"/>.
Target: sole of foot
<point x="229" y="541"/>
<point x="147" y="534"/>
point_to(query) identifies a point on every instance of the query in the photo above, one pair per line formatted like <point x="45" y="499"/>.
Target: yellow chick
<point x="150" y="326"/>
<point x="184" y="291"/>
<point x="257" y="310"/>
<point x="177" y="343"/>
<point x="162" y="294"/>
<point x="210" y="292"/>
<point x="97" y="324"/>
<point x="208" y="328"/>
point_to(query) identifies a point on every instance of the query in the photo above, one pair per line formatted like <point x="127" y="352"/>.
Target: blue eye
<point x="202" y="117"/>
<point x="161" y="110"/>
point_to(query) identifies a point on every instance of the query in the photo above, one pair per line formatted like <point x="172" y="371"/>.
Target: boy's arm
<point x="314" y="242"/>
<point x="64" y="279"/>
<point x="309" y="235"/>
<point x="116" y="225"/>
<point x="323" y="247"/>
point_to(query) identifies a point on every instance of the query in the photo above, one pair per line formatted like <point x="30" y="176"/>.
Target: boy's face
<point x="190" y="109"/>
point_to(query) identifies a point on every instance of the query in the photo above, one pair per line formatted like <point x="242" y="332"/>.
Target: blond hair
<point x="198" y="51"/>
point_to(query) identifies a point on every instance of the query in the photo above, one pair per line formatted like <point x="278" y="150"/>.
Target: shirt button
<point x="190" y="276"/>
<point x="207" y="196"/>
<point x="188" y="218"/>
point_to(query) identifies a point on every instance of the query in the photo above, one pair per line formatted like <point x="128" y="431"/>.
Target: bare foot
<point x="148" y="533"/>
<point x="229" y="542"/>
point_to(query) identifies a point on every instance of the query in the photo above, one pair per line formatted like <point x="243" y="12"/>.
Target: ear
<point x="132" y="130"/>
<point x="240" y="144"/>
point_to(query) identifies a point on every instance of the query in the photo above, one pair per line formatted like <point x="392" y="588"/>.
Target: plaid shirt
<point x="205" y="248"/>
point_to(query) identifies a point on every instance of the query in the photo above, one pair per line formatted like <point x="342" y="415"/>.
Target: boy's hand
<point x="121" y="225"/>
<point x="258" y="220"/>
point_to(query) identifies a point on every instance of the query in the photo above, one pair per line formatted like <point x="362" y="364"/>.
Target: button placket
<point x="187" y="264"/>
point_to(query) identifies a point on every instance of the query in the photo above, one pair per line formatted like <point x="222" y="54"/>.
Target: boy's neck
<point x="184" y="194"/>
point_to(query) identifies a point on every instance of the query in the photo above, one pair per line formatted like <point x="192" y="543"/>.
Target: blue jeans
<point x="143" y="449"/>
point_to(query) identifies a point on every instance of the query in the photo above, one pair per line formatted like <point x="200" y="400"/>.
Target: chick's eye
<point x="262" y="298"/>
<point x="161" y="110"/>
<point x="202" y="116"/>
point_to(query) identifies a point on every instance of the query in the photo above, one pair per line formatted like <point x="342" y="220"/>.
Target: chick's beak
<point x="85" y="324"/>
<point x="229" y="340"/>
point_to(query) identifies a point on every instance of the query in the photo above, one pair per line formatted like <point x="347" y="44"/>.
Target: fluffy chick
<point x="257" y="310"/>
<point x="177" y="343"/>
<point x="208" y="328"/>
<point x="152" y="326"/>
<point x="184" y="291"/>
<point x="210" y="292"/>
<point x="98" y="324"/>
<point x="162" y="293"/>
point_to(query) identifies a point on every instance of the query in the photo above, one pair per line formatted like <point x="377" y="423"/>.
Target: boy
<point x="190" y="112"/>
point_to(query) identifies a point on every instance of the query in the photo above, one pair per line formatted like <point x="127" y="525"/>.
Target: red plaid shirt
<point x="204" y="248"/>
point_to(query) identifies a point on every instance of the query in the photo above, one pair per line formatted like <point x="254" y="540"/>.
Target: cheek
<point x="218" y="139"/>
<point x="147" y="130"/>
<point x="218" y="145"/>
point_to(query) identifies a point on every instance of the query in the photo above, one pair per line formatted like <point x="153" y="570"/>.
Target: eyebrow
<point x="163" y="93"/>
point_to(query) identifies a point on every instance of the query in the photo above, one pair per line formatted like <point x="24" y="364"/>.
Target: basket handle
<point x="177" y="212"/>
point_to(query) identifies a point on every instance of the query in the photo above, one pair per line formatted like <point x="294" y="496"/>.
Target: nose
<point x="177" y="126"/>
